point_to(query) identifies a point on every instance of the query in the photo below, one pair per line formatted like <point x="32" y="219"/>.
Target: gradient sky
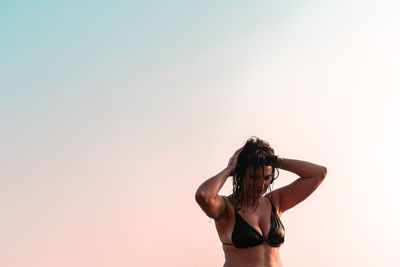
<point x="112" y="115"/>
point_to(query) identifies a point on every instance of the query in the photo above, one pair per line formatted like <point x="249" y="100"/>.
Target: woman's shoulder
<point x="227" y="199"/>
<point x="229" y="208"/>
<point x="271" y="195"/>
<point x="274" y="198"/>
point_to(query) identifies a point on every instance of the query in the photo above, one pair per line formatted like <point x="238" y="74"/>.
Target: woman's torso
<point x="263" y="255"/>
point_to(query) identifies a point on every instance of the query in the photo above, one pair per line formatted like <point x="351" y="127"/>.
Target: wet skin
<point x="259" y="256"/>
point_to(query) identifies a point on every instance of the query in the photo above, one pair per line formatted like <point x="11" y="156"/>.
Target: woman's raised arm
<point x="207" y="193"/>
<point x="311" y="176"/>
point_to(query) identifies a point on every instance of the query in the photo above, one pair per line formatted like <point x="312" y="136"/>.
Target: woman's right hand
<point x="233" y="161"/>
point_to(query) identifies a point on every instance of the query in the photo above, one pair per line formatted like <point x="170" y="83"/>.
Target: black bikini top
<point x="245" y="236"/>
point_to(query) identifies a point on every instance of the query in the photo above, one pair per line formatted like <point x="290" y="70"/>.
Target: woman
<point x="248" y="222"/>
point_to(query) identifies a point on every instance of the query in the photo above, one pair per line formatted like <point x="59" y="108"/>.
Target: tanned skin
<point x="219" y="208"/>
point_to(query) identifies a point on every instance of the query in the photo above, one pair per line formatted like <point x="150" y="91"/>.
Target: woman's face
<point x="259" y="184"/>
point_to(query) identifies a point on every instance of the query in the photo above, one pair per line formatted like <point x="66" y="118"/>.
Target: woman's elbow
<point x="199" y="196"/>
<point x="324" y="172"/>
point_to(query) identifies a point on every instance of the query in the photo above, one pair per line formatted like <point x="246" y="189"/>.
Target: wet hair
<point x="249" y="161"/>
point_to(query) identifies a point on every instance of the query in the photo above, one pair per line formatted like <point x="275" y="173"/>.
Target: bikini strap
<point x="272" y="204"/>
<point x="233" y="203"/>
<point x="275" y="216"/>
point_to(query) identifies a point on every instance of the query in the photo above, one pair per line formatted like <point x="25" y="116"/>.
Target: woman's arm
<point x="311" y="176"/>
<point x="207" y="193"/>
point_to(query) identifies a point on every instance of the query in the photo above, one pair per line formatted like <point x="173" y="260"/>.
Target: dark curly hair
<point x="252" y="156"/>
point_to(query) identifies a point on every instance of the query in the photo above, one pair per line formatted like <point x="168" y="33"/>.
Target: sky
<point x="112" y="115"/>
